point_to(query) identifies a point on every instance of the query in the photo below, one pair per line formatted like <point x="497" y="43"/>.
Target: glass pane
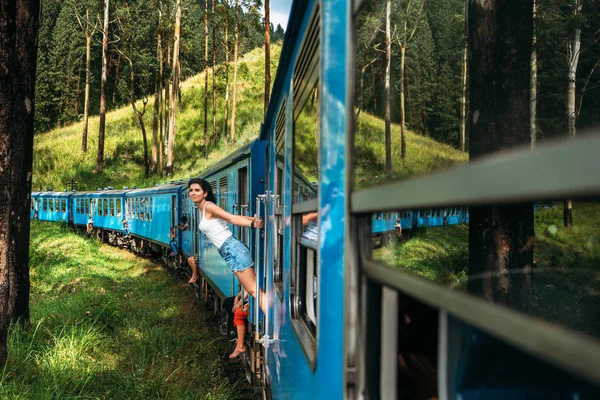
<point x="519" y="255"/>
<point x="306" y="153"/>
<point x="408" y="100"/>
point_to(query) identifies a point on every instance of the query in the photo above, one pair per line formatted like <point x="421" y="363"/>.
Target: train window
<point x="150" y="208"/>
<point x="402" y="130"/>
<point x="44" y="205"/>
<point x="304" y="282"/>
<point x="213" y="185"/>
<point x="304" y="271"/>
<point x="111" y="207"/>
<point x="553" y="276"/>
<point x="223" y="193"/>
<point x="118" y="207"/>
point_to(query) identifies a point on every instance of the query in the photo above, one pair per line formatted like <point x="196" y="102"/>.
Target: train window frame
<point x="305" y="81"/>
<point x="278" y="186"/>
<point x="150" y="208"/>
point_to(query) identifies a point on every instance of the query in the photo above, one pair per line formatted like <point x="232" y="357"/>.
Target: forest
<point x="426" y="45"/>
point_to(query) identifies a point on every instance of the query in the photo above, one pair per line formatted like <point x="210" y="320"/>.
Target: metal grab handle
<point x="257" y="264"/>
<point x="267" y="286"/>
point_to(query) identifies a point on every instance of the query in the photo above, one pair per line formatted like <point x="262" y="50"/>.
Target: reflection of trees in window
<point x="306" y="140"/>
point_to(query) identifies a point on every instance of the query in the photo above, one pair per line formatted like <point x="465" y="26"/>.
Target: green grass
<point x="108" y="325"/>
<point x="58" y="157"/>
<point x="423" y="154"/>
<point x="566" y="274"/>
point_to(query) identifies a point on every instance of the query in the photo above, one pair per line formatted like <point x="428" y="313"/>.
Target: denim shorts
<point x="236" y="255"/>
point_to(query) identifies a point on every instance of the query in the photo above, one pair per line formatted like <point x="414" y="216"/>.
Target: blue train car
<point x="151" y="212"/>
<point x="51" y="206"/>
<point x="106" y="208"/>
<point x="236" y="181"/>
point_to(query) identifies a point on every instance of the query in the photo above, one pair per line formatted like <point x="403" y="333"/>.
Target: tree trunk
<point x="235" y="52"/>
<point x="156" y="108"/>
<point x="167" y="102"/>
<point x="175" y="84"/>
<point x="100" y="157"/>
<point x="226" y="71"/>
<point x="463" y="98"/>
<point x="500" y="237"/>
<point x="267" y="56"/>
<point x="18" y="49"/>
<point x="574" y="48"/>
<point x="214" y="78"/>
<point x="140" y="117"/>
<point x="402" y="112"/>
<point x="86" y="104"/>
<point x="533" y="83"/>
<point x="160" y="96"/>
<point x="78" y="92"/>
<point x="205" y="150"/>
<point x="157" y="100"/>
<point x="388" y="57"/>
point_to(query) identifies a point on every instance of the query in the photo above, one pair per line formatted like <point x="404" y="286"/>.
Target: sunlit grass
<point x="108" y="325"/>
<point x="423" y="154"/>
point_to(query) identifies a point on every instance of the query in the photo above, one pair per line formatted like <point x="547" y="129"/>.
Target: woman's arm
<point x="238" y="220"/>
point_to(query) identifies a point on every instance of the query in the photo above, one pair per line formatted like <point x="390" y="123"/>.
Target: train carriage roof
<point x="230" y="159"/>
<point x="50" y="194"/>
<point x="170" y="188"/>
<point x="100" y="193"/>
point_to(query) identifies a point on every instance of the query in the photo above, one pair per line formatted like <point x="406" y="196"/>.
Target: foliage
<point x="61" y="55"/>
<point x="58" y="159"/>
<point x="106" y="324"/>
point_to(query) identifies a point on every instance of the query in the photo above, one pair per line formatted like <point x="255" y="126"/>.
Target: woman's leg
<point x="247" y="278"/>
<point x="194" y="268"/>
<point x="173" y="248"/>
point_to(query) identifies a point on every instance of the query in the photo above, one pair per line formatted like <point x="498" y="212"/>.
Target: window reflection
<point x="553" y="272"/>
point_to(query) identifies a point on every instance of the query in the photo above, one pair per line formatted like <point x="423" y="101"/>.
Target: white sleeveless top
<point x="215" y="229"/>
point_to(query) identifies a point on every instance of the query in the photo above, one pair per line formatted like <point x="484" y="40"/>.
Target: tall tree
<point x="88" y="30"/>
<point x="388" y="58"/>
<point x="131" y="48"/>
<point x="157" y="112"/>
<point x="205" y="150"/>
<point x="226" y="71"/>
<point x="463" y="99"/>
<point x="500" y="237"/>
<point x="573" y="51"/>
<point x="407" y="35"/>
<point x="533" y="83"/>
<point x="174" y="96"/>
<point x="267" y="56"/>
<point x="234" y="84"/>
<point x="102" y="124"/>
<point x="214" y="76"/>
<point x="19" y="22"/>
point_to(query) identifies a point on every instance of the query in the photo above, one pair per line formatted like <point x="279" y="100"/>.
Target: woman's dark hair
<point x="205" y="187"/>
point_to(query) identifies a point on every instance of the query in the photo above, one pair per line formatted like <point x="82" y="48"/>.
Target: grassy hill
<point x="58" y="157"/>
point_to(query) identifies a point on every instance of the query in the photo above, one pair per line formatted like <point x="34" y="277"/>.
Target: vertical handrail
<point x="268" y="281"/>
<point x="257" y="264"/>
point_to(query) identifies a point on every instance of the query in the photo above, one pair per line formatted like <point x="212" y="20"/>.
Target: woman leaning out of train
<point x="213" y="224"/>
